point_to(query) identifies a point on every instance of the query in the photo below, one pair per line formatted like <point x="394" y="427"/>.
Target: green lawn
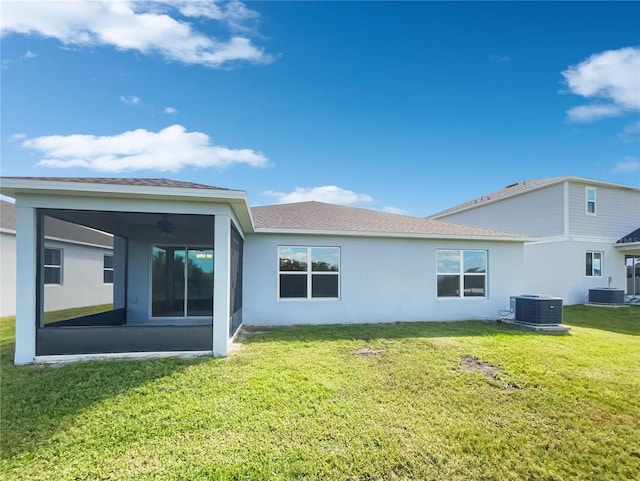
<point x="372" y="402"/>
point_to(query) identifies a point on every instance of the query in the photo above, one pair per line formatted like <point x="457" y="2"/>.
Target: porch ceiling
<point x="141" y="224"/>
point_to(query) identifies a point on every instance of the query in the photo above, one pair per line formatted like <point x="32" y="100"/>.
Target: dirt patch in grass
<point x="471" y="363"/>
<point x="488" y="370"/>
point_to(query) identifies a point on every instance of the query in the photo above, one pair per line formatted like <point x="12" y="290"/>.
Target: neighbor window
<point x="107" y="270"/>
<point x="462" y="273"/>
<point x="590" y="200"/>
<point x="181" y="281"/>
<point x="53" y="266"/>
<point x="308" y="272"/>
<point x="594" y="264"/>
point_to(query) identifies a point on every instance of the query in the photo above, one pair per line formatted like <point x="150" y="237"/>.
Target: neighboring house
<point x="192" y="262"/>
<point x="76" y="264"/>
<point x="586" y="233"/>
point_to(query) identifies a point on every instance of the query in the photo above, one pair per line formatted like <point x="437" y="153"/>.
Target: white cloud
<point x="610" y="76"/>
<point x="500" y="58"/>
<point x="394" y="210"/>
<point x="170" y="149"/>
<point x="129" y="99"/>
<point x="628" y="165"/>
<point x="29" y="54"/>
<point x="589" y="113"/>
<point x="18" y="136"/>
<point x="170" y="110"/>
<point x="631" y="132"/>
<point x="327" y="193"/>
<point x="146" y="27"/>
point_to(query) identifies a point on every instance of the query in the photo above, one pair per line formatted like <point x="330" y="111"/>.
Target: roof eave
<point x="627" y="246"/>
<point x="403" y="235"/>
<point x="237" y="199"/>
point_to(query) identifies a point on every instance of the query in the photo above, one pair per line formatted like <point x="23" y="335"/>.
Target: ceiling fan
<point x="164" y="225"/>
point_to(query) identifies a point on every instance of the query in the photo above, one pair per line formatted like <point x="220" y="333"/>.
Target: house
<point x="586" y="233"/>
<point x="77" y="264"/>
<point x="193" y="262"/>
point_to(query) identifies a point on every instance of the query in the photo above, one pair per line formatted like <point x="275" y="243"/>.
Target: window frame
<point x="58" y="267"/>
<point x="588" y="201"/>
<point x="308" y="273"/>
<point x="106" y="269"/>
<point x="462" y="275"/>
<point x="593" y="253"/>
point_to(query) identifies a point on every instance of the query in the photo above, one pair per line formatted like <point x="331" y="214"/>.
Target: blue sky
<point x="408" y="107"/>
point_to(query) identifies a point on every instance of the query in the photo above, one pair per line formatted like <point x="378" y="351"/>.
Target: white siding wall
<point x="7" y="274"/>
<point x="539" y="213"/>
<point x="82" y="277"/>
<point x="82" y="283"/>
<point x="557" y="268"/>
<point x="382" y="280"/>
<point x="617" y="212"/>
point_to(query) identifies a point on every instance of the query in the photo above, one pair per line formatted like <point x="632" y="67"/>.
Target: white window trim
<point x="462" y="275"/>
<point x="107" y="269"/>
<point x="309" y="273"/>
<point x="56" y="266"/>
<point x="601" y="264"/>
<point x="587" y="201"/>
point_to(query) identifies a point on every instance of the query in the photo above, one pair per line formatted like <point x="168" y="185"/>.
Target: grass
<point x="369" y="402"/>
<point x="64" y="314"/>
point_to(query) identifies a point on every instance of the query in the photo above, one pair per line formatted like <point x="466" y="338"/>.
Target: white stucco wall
<point x="382" y="280"/>
<point x="557" y="268"/>
<point x="7" y="274"/>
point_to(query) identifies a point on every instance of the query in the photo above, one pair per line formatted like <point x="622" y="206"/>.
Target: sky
<point x="405" y="107"/>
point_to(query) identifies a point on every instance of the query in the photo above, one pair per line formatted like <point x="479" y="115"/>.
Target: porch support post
<point x="26" y="284"/>
<point x="221" y="284"/>
<point x="119" y="272"/>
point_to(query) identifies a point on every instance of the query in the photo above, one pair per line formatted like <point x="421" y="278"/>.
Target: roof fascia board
<point x="391" y="235"/>
<point x="19" y="186"/>
<point x="627" y="246"/>
<point x="237" y="199"/>
<point x="601" y="183"/>
<point x="75" y="242"/>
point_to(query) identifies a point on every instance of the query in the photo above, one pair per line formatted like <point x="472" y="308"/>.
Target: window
<point x="461" y="273"/>
<point x="594" y="264"/>
<point x="590" y="200"/>
<point x="53" y="266"/>
<point x="181" y="281"/>
<point x="107" y="270"/>
<point x="308" y="272"/>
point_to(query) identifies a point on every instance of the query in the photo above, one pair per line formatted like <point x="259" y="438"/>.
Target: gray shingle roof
<point x="137" y="182"/>
<point x="509" y="191"/>
<point x="319" y="216"/>
<point x="631" y="237"/>
<point x="57" y="228"/>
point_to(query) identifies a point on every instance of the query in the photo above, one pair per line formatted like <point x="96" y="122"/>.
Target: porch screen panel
<point x="168" y="282"/>
<point x="200" y="282"/>
<point x="236" y="280"/>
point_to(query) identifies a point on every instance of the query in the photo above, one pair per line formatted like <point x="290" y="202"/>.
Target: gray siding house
<point x="583" y="229"/>
<point x="78" y="262"/>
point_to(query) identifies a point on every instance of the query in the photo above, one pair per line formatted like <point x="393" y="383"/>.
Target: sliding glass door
<point x="181" y="282"/>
